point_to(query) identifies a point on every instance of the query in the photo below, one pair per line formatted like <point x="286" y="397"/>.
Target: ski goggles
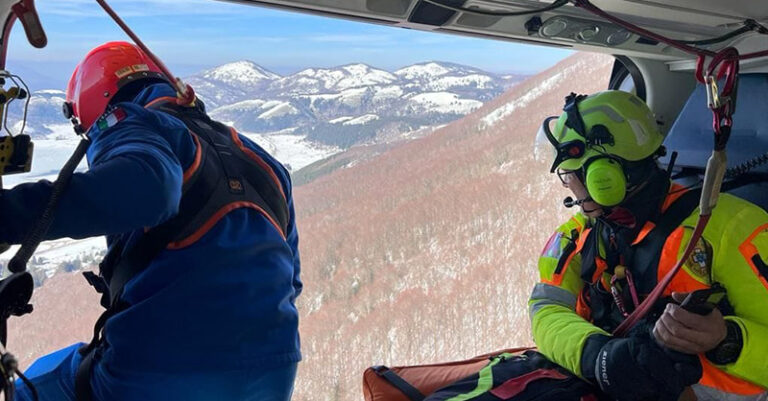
<point x="573" y="149"/>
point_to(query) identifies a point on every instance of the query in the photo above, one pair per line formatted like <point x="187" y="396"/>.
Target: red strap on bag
<point x="517" y="385"/>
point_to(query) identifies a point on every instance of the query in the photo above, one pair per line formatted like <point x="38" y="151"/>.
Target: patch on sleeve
<point x="699" y="264"/>
<point x="553" y="249"/>
<point x="111" y="119"/>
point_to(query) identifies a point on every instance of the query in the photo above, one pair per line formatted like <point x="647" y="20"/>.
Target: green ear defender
<point x="605" y="181"/>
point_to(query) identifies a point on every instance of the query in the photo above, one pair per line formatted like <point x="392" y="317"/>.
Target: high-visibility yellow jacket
<point x="732" y="252"/>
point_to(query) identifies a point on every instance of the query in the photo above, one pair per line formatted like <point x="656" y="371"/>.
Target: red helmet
<point x="103" y="71"/>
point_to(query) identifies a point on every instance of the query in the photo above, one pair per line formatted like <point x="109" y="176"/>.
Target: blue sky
<point x="191" y="35"/>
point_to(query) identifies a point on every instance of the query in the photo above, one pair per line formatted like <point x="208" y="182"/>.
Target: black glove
<point x="638" y="369"/>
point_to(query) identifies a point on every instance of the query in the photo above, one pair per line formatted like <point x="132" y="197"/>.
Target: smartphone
<point x="702" y="302"/>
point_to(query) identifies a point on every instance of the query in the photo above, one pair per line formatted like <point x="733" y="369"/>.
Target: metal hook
<point x="713" y="93"/>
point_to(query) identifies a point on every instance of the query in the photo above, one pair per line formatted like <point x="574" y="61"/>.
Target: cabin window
<point x="627" y="77"/>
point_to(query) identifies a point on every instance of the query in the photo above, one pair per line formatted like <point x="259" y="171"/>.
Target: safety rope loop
<point x="728" y="61"/>
<point x="700" y="68"/>
<point x="187" y="97"/>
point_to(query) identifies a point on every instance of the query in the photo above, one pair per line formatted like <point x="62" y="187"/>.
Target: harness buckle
<point x="100" y="285"/>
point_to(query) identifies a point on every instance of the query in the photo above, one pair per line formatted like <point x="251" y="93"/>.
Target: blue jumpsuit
<point x="215" y="320"/>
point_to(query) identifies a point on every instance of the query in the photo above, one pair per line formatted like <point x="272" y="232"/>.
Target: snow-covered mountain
<point x="439" y="77"/>
<point x="230" y="83"/>
<point x="324" y="108"/>
<point x="355" y="103"/>
<point x="331" y="80"/>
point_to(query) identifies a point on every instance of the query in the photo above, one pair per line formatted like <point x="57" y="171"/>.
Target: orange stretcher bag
<point x="381" y="383"/>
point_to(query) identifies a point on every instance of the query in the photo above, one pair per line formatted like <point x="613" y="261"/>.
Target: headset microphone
<point x="569" y="202"/>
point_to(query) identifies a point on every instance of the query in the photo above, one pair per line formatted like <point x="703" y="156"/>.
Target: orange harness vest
<point x="684" y="281"/>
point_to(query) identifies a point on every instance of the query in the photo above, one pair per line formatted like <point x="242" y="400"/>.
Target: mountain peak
<point x="429" y="69"/>
<point x="243" y="71"/>
<point x="357" y="68"/>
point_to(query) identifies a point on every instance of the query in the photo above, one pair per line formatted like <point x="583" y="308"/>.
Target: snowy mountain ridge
<point x="325" y="80"/>
<point x="326" y="109"/>
<point x="408" y="99"/>
<point x="432" y="69"/>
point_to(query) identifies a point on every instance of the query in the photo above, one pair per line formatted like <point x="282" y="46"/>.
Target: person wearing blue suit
<point x="212" y="318"/>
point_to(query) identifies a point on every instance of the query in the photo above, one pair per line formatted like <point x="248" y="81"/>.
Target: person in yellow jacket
<point x="633" y="226"/>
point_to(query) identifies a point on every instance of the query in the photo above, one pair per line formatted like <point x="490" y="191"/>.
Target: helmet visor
<point x="546" y="144"/>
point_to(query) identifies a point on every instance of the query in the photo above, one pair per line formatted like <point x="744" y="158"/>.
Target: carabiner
<point x="713" y="93"/>
<point x="622" y="273"/>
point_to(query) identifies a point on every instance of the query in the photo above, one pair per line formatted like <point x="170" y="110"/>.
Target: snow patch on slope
<point x="387" y="93"/>
<point x="350" y="97"/>
<point x="476" y="80"/>
<point x="509" y="108"/>
<point x="294" y="151"/>
<point x="340" y="119"/>
<point x="365" y="119"/>
<point x="445" y="102"/>
<point x="280" y="110"/>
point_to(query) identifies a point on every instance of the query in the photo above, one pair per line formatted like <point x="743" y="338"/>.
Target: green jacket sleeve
<point x="559" y="331"/>
<point x="739" y="264"/>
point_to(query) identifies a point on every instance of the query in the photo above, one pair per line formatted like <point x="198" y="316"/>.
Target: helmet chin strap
<point x="638" y="206"/>
<point x="620" y="216"/>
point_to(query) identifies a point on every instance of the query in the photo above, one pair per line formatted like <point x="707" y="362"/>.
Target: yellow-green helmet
<point x="599" y="134"/>
<point x="615" y="123"/>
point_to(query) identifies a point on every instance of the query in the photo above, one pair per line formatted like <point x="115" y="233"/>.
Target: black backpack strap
<point x="648" y="251"/>
<point x="678" y="211"/>
<point x="83" y="389"/>
<point x="398" y="382"/>
<point x="148" y="246"/>
<point x="218" y="136"/>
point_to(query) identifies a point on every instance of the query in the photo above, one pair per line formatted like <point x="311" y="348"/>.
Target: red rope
<point x="727" y="59"/>
<point x="185" y="93"/>
<point x="585" y="4"/>
<point x="658" y="291"/>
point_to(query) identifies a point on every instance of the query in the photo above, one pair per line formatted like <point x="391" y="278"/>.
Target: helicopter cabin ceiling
<point x="567" y="26"/>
